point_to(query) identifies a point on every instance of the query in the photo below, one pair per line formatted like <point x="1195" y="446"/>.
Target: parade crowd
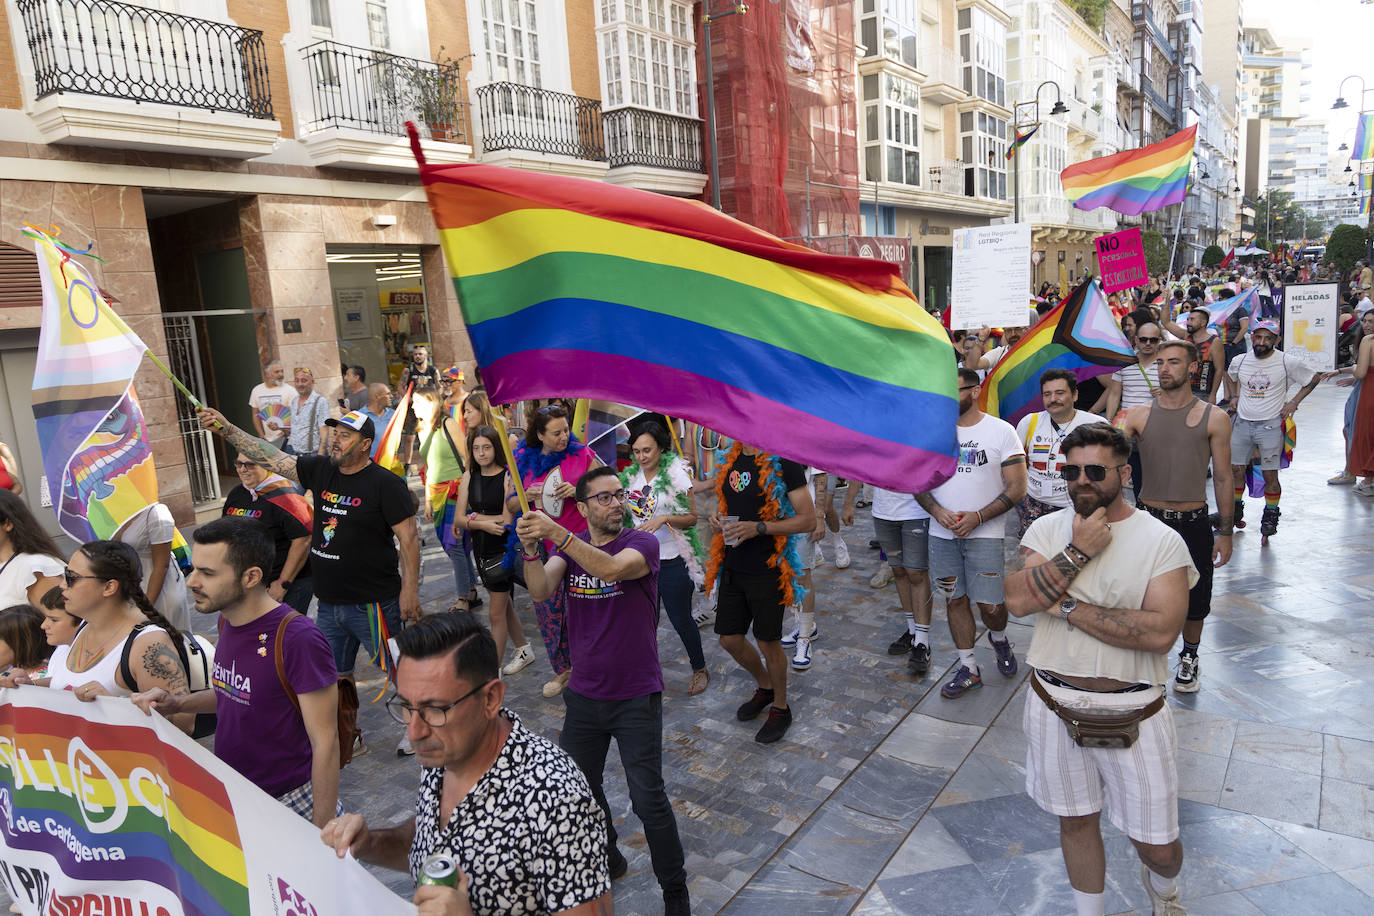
<point x="1103" y="495"/>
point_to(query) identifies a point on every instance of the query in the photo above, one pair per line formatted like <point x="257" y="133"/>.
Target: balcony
<point x="360" y="101"/>
<point x="1127" y="76"/>
<point x="529" y="127"/>
<point x="944" y="75"/>
<point x="1160" y="103"/>
<point x="1085" y="122"/>
<point x="654" y="151"/>
<point x="116" y="75"/>
<point x="1144" y="17"/>
<point x="947" y="177"/>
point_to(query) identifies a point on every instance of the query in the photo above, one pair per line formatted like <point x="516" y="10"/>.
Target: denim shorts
<point x="1265" y="435"/>
<point x="348" y="626"/>
<point x="904" y="542"/>
<point x="975" y="564"/>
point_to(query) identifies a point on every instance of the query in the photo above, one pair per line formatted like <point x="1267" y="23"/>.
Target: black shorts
<point x="1198" y="536"/>
<point x="750" y="598"/>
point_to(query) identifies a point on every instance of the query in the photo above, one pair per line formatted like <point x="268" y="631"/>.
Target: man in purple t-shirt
<point x="289" y="751"/>
<point x="616" y="690"/>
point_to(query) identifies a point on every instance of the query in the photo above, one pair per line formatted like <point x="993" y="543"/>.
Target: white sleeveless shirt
<point x="105" y="672"/>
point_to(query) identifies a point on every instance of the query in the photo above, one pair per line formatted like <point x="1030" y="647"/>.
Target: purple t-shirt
<point x="613" y="627"/>
<point x="260" y="733"/>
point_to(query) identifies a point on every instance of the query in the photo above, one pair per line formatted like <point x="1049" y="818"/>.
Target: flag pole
<point x="195" y="401"/>
<point x="1178" y="226"/>
<point x="500" y="423"/>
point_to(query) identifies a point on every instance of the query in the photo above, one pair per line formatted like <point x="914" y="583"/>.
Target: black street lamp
<point x="1016" y="125"/>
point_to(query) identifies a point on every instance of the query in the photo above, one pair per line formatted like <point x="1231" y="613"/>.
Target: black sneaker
<point x="902" y="645"/>
<point x="619" y="865"/>
<point x="676" y="902"/>
<point x="751" y="707"/>
<point x="919" y="662"/>
<point x="779" y="720"/>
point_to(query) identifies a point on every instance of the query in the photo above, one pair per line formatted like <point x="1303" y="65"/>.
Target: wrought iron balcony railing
<point x="377" y="91"/>
<point x="121" y="51"/>
<point x="635" y="136"/>
<point x="528" y="118"/>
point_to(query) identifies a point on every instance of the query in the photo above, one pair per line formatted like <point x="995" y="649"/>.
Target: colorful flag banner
<point x="1222" y="310"/>
<point x="1363" y="147"/>
<point x="1021" y="140"/>
<point x="572" y="287"/>
<point x="388" y="442"/>
<point x="1365" y="204"/>
<point x="1080" y="334"/>
<point x="1134" y="181"/>
<point x="111" y="811"/>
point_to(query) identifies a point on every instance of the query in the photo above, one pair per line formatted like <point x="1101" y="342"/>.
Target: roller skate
<point x="1269" y="524"/>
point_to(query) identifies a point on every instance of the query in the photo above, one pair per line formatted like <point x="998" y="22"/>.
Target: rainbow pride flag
<point x="1365" y="200"/>
<point x="388" y="444"/>
<point x="1363" y="147"/>
<point x="1136" y="180"/>
<point x="1021" y="140"/>
<point x="577" y="288"/>
<point x="1079" y="334"/>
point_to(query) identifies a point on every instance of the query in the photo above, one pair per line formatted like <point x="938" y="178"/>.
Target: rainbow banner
<point x="1365" y="204"/>
<point x="388" y="442"/>
<point x="1021" y="140"/>
<point x="105" y="810"/>
<point x="1363" y="148"/>
<point x="1079" y="334"/>
<point x="1134" y="181"/>
<point x="577" y="288"/>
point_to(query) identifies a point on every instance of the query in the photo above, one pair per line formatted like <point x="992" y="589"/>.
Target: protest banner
<point x="1121" y="260"/>
<point x="106" y="810"/>
<point x="991" y="283"/>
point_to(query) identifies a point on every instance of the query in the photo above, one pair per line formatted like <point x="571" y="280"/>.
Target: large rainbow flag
<point x="577" y="288"/>
<point x="1136" y="180"/>
<point x="90" y="425"/>
<point x="388" y="442"/>
<point x="1079" y="334"/>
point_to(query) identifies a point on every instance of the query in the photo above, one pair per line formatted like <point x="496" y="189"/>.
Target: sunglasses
<point x="1148" y="340"/>
<point x="245" y="464"/>
<point x="605" y="499"/>
<point x="1096" y="472"/>
<point x="302" y="369"/>
<point x="71" y="578"/>
<point x="967" y="387"/>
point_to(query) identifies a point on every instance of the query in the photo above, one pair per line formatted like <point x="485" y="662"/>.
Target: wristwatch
<point x="1067" y="607"/>
<point x="762" y="527"/>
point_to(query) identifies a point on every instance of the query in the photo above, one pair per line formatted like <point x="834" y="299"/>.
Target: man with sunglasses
<point x="616" y="689"/>
<point x="1132" y="386"/>
<point x="510" y="807"/>
<point x="1107" y="586"/>
<point x="967" y="532"/>
<point x="1179" y="436"/>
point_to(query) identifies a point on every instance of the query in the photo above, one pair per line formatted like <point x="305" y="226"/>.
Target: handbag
<point x="493" y="573"/>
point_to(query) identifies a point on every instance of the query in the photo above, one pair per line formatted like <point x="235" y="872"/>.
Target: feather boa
<point x="786" y="558"/>
<point x="688" y="544"/>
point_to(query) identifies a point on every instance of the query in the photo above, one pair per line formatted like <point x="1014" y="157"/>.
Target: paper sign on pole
<point x="992" y="267"/>
<point x="105" y="809"/>
<point x="1121" y="260"/>
<point x="1309" y="323"/>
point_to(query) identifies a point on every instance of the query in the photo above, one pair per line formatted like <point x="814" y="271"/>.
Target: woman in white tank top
<point x="102" y="588"/>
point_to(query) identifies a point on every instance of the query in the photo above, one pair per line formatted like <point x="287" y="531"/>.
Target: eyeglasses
<point x="967" y="387"/>
<point x="433" y="716"/>
<point x="1148" y="340"/>
<point x="604" y="499"/>
<point x="1096" y="472"/>
<point x="71" y="578"/>
<point x="245" y="464"/>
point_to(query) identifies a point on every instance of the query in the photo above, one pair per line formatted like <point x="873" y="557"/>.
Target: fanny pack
<point x="1098" y="730"/>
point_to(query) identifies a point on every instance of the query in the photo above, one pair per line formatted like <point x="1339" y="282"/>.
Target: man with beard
<point x="616" y="689"/>
<point x="1178" y="436"/>
<point x="359" y="507"/>
<point x="1264" y="390"/>
<point x="1205" y="377"/>
<point x="1107" y="586"/>
<point x="288" y="749"/>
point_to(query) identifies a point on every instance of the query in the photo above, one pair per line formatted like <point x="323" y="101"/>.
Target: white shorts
<point x="1140" y="783"/>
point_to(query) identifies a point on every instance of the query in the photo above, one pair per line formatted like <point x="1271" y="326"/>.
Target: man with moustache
<point x="1042" y="434"/>
<point x="1107" y="586"/>
<point x="1179" y="435"/>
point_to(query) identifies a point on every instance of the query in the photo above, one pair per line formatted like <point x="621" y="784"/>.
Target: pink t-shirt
<point x="572" y="467"/>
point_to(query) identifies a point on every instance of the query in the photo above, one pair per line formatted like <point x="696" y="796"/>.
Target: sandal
<point x="474" y="600"/>
<point x="700" y="680"/>
<point x="462" y="605"/>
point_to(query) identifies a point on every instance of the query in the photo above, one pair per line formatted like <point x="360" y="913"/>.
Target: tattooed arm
<point x="155" y="663"/>
<point x="250" y="447"/>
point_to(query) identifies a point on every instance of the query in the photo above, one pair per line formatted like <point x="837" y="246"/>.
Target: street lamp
<point x="1016" y="124"/>
<point x="708" y="17"/>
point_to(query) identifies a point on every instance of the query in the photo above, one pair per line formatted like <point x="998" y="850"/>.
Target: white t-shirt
<point x="1363" y="306"/>
<point x="1267" y="384"/>
<point x="994" y="356"/>
<point x="22" y="571"/>
<point x="892" y="506"/>
<point x="978" y="479"/>
<point x="1042" y="439"/>
<point x="1136" y="384"/>
<point x="273" y="406"/>
<point x="644" y="502"/>
<point x="1142" y="548"/>
<point x="150" y="526"/>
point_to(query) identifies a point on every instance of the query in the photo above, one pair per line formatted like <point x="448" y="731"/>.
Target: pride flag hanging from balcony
<point x="1134" y="181"/>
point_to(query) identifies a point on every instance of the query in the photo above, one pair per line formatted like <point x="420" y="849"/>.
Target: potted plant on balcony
<point x="434" y="94"/>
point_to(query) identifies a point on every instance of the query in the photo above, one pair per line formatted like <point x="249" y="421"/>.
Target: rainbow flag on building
<point x="1363" y="147"/>
<point x="1079" y="334"/>
<point x="1134" y="181"/>
<point x="577" y="288"/>
<point x="96" y="452"/>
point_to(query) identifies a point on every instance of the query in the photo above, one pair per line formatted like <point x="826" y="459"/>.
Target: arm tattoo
<point x="161" y="661"/>
<point x="1052" y="579"/>
<point x="926" y="502"/>
<point x="265" y="454"/>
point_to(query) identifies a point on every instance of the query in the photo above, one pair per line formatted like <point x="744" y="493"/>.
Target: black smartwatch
<point x="762" y="527"/>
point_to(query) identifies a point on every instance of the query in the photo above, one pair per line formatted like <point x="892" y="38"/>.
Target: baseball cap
<point x="1266" y="324"/>
<point x="454" y="372"/>
<point x="355" y="420"/>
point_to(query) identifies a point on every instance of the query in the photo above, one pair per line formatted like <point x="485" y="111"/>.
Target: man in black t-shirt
<point x="754" y="531"/>
<point x="359" y="506"/>
<point x="277" y="505"/>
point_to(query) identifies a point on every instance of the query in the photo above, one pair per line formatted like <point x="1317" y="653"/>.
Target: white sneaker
<point x="1341" y="479"/>
<point x="1160" y="904"/>
<point x="522" y="659"/>
<point x="404" y="749"/>
<point x="1363" y="489"/>
<point x="704" y="617"/>
<point x="882" y="578"/>
<point x="817" y="557"/>
<point x="841" y="553"/>
<point x="801" y="659"/>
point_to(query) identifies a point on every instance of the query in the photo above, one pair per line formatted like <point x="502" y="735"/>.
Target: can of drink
<point x="439" y="869"/>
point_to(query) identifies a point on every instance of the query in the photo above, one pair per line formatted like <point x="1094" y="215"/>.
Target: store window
<point x="379" y="307"/>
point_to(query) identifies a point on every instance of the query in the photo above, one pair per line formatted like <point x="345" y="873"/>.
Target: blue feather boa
<point x="793" y="544"/>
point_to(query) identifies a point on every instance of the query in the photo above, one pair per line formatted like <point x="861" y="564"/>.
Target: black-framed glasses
<point x="604" y="499"/>
<point x="433" y="716"/>
<point x="71" y="578"/>
<point x="1096" y="472"/>
<point x="967" y="387"/>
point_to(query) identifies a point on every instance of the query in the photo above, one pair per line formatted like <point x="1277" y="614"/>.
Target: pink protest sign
<point x="1121" y="259"/>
